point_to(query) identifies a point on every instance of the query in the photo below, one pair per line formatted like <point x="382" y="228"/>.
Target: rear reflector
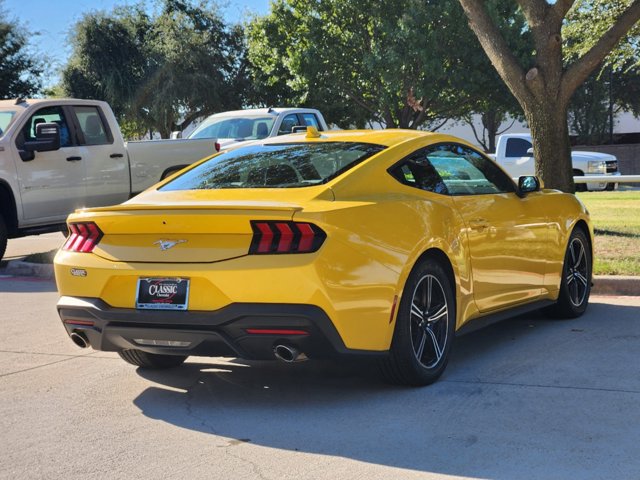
<point x="84" y="323"/>
<point x="285" y="237"/>
<point x="83" y="238"/>
<point x="275" y="331"/>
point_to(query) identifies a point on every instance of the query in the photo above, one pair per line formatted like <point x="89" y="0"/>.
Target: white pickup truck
<point x="62" y="154"/>
<point x="514" y="153"/>
<point x="235" y="128"/>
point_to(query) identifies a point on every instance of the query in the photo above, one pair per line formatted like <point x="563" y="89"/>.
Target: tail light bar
<point x="84" y="237"/>
<point x="271" y="237"/>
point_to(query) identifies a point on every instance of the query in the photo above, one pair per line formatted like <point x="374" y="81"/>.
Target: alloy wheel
<point x="577" y="274"/>
<point x="429" y="324"/>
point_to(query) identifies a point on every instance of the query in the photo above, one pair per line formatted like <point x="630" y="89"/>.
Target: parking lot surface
<point x="527" y="398"/>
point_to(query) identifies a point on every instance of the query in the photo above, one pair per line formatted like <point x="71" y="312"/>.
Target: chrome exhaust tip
<point x="80" y="339"/>
<point x="287" y="354"/>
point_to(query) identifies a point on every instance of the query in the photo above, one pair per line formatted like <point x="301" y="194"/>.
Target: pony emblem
<point x="167" y="244"/>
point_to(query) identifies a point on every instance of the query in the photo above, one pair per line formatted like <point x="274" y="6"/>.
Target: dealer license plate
<point x="162" y="293"/>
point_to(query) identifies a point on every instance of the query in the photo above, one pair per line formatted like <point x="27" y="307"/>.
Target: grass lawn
<point x="616" y="219"/>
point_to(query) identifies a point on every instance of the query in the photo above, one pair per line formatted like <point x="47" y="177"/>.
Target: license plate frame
<point x="162" y="293"/>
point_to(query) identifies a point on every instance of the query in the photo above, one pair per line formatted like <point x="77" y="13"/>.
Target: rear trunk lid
<point x="187" y="232"/>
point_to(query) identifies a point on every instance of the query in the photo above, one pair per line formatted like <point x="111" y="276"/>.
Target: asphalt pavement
<point x="527" y="398"/>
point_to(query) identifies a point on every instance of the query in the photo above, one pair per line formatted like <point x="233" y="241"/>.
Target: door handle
<point x="73" y="159"/>
<point x="478" y="224"/>
<point x="116" y="155"/>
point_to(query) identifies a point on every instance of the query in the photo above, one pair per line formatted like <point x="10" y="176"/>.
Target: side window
<point x="466" y="172"/>
<point x="287" y="124"/>
<point x="46" y="115"/>
<point x="517" y="147"/>
<point x="417" y="171"/>
<point x="91" y="125"/>
<point x="310" y="120"/>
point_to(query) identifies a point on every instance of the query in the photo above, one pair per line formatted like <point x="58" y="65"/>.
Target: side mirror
<point x="528" y="184"/>
<point x="47" y="138"/>
<point x="176" y="135"/>
<point x="530" y="152"/>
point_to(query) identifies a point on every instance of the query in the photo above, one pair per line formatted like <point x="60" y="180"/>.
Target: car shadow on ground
<point x="528" y="397"/>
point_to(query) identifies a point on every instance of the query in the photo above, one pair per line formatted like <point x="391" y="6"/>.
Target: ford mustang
<point x="385" y="244"/>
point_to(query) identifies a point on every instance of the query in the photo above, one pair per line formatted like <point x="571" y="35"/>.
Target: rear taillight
<point x="285" y="237"/>
<point x="83" y="238"/>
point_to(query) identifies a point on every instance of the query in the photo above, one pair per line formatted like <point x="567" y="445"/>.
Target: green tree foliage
<point x="392" y="62"/>
<point x="159" y="71"/>
<point x="615" y="84"/>
<point x="487" y="94"/>
<point x="20" y="70"/>
<point x="545" y="81"/>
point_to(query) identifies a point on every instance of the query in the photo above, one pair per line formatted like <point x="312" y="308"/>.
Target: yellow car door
<point x="507" y="236"/>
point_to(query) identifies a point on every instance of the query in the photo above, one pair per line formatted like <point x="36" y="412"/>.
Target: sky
<point x="55" y="18"/>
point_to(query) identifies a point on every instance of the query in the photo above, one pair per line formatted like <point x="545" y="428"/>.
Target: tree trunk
<point x="551" y="145"/>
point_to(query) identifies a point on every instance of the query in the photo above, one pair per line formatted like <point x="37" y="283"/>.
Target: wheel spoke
<point x="442" y="312"/>
<point x="423" y="341"/>
<point x="577" y="262"/>
<point x="570" y="279"/>
<point x="573" y="253"/>
<point x="576" y="293"/>
<point x="436" y="347"/>
<point x="417" y="311"/>
<point x="581" y="278"/>
<point x="429" y="291"/>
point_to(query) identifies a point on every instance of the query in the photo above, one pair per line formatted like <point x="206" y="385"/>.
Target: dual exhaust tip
<point x="288" y="354"/>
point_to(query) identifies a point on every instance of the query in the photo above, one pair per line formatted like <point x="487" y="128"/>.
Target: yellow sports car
<point x="378" y="243"/>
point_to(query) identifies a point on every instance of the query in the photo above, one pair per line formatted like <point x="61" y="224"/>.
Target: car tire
<point x="151" y="360"/>
<point x="425" y="328"/>
<point x="4" y="236"/>
<point x="575" y="286"/>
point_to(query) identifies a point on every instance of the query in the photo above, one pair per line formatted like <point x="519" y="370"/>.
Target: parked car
<point x="61" y="154"/>
<point x="235" y="128"/>
<point x="514" y="153"/>
<point x="378" y="243"/>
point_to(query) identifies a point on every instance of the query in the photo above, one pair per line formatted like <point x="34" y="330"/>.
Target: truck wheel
<point x="580" y="187"/>
<point x="3" y="237"/>
<point x="611" y="187"/>
<point x="424" y="328"/>
<point x="151" y="360"/>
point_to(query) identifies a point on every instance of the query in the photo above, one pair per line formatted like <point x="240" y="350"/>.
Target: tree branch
<point x="534" y="11"/>
<point x="582" y="68"/>
<point x="495" y="47"/>
<point x="562" y="7"/>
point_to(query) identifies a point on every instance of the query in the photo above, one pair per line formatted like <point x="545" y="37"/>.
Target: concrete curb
<point x="18" y="268"/>
<point x="618" y="285"/>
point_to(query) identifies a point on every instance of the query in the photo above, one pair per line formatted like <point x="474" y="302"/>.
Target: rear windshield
<point x="275" y="166"/>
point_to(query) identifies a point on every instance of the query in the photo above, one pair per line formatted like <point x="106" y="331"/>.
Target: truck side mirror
<point x="47" y="138"/>
<point x="175" y="135"/>
<point x="530" y="152"/>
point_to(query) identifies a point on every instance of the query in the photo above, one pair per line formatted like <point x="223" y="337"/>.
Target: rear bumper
<point x="205" y="333"/>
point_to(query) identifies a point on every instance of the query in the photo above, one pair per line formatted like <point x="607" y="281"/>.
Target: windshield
<point x="239" y="128"/>
<point x="275" y="166"/>
<point x="6" y="116"/>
